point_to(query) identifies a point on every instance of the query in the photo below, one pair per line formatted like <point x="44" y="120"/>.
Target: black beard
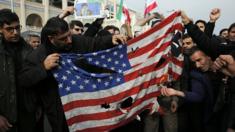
<point x="61" y="48"/>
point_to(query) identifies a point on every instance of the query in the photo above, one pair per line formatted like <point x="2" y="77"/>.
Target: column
<point x="46" y="10"/>
<point x="12" y="5"/>
<point x="22" y="15"/>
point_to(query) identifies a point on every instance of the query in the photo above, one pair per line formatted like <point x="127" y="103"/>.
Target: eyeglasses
<point x="11" y="29"/>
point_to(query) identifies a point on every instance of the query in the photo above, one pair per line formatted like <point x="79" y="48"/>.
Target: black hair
<point x="116" y="29"/>
<point x="54" y="26"/>
<point x="156" y="21"/>
<point x="109" y="27"/>
<point x="231" y="26"/>
<point x="185" y="36"/>
<point x="200" y="21"/>
<point x="7" y="17"/>
<point x="222" y="30"/>
<point x="103" y="33"/>
<point x="87" y="25"/>
<point x="75" y="22"/>
<point x="193" y="50"/>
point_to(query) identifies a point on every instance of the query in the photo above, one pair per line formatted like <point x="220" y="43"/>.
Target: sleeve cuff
<point x="233" y="54"/>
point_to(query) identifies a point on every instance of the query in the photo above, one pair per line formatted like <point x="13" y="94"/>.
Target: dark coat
<point x="209" y="29"/>
<point x="201" y="92"/>
<point x="211" y="46"/>
<point x="94" y="28"/>
<point x="12" y="56"/>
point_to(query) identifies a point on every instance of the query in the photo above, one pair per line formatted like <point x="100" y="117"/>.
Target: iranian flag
<point x="150" y="5"/>
<point x="123" y="14"/>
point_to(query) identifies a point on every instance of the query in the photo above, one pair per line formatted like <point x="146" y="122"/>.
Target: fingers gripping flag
<point x="101" y="102"/>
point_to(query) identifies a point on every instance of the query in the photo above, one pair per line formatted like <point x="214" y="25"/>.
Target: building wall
<point x="38" y="8"/>
<point x="30" y="8"/>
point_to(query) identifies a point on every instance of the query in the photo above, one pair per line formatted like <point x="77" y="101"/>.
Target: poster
<point x="86" y="9"/>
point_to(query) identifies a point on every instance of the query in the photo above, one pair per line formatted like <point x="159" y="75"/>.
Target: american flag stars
<point x="78" y="80"/>
<point x="111" y="59"/>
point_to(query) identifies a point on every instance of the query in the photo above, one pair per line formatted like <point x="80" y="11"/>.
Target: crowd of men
<point x="203" y="100"/>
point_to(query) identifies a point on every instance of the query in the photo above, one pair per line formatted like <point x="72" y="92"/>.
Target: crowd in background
<point x="202" y="100"/>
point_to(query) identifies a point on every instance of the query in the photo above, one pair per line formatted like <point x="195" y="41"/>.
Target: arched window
<point x="34" y="20"/>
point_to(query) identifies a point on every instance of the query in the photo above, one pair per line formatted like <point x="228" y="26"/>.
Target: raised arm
<point x="66" y="12"/>
<point x="214" y="16"/>
<point x="143" y="21"/>
<point x="206" y="44"/>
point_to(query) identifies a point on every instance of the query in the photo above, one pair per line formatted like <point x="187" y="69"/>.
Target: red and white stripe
<point x="83" y="110"/>
<point x="126" y="18"/>
<point x="150" y="5"/>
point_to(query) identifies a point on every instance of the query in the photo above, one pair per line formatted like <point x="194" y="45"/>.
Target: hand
<point x="171" y="92"/>
<point x="223" y="61"/>
<point x="219" y="63"/>
<point x="119" y="39"/>
<point x="51" y="61"/>
<point x="4" y="124"/>
<point x="230" y="130"/>
<point x="214" y="15"/>
<point x="168" y="91"/>
<point x="226" y="64"/>
<point x="185" y="19"/>
<point x="228" y="59"/>
<point x="67" y="11"/>
<point x="157" y="15"/>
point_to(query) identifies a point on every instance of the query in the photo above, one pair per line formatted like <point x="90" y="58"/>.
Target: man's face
<point x="111" y="31"/>
<point x="34" y="41"/>
<point x="224" y="34"/>
<point x="116" y="32"/>
<point x="187" y="43"/>
<point x="77" y="30"/>
<point x="201" y="26"/>
<point x="202" y="61"/>
<point x="11" y="32"/>
<point x="231" y="34"/>
<point x="62" y="40"/>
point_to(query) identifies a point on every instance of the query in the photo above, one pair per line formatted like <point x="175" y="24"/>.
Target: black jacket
<point x="11" y="57"/>
<point x="94" y="28"/>
<point x="211" y="46"/>
<point x="34" y="75"/>
<point x="209" y="29"/>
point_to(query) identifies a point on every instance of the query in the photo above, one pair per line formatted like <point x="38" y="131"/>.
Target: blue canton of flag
<point x="74" y="79"/>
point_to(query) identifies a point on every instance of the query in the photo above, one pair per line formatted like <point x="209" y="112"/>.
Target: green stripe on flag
<point x="119" y="13"/>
